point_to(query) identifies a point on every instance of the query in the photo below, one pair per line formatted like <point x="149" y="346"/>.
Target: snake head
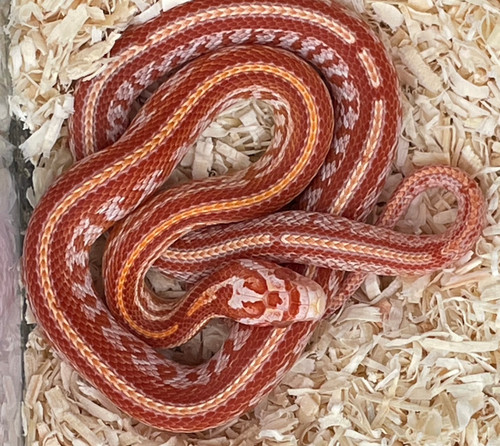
<point x="266" y="294"/>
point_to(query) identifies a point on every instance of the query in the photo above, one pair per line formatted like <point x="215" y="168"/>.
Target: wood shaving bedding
<point x="408" y="360"/>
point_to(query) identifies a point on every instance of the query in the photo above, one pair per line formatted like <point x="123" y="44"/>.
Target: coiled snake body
<point x="296" y="55"/>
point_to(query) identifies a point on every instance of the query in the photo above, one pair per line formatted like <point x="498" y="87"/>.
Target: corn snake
<point x="107" y="185"/>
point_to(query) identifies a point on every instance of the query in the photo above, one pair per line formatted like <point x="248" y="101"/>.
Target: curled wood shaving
<point x="409" y="360"/>
<point x="416" y="64"/>
<point x="388" y="14"/>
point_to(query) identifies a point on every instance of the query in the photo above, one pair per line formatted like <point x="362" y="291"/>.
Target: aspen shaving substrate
<point x="408" y="360"/>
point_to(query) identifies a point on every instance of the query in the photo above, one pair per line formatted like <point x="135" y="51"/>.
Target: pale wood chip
<point x="388" y="14"/>
<point x="416" y="64"/>
<point x="78" y="424"/>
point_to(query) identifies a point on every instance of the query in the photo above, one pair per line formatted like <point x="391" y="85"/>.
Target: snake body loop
<point x="297" y="55"/>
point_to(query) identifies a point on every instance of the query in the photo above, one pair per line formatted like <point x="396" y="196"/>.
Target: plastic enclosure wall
<point x="10" y="298"/>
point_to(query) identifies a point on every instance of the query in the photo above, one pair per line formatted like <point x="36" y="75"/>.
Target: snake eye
<point x="256" y="284"/>
<point x="254" y="309"/>
<point x="285" y="274"/>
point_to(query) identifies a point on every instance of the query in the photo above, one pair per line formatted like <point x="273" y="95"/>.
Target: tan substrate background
<point x="408" y="361"/>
